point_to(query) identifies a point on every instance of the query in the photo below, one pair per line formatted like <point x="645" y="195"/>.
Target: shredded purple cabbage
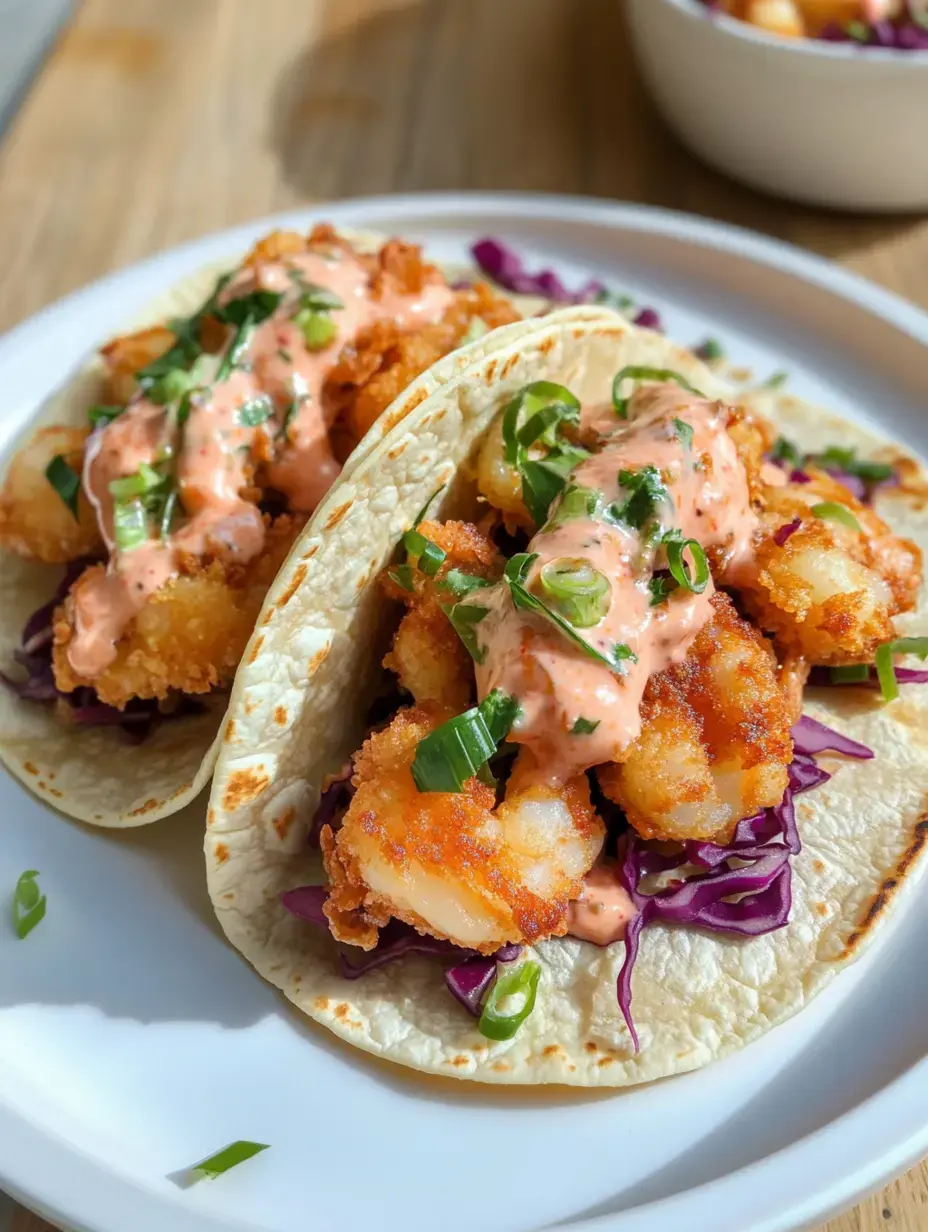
<point x="499" y="262"/>
<point x="84" y="707"/>
<point x="784" y="532"/>
<point x="337" y="794"/>
<point x="907" y="33"/>
<point x="811" y="737"/>
<point x="649" y="318"/>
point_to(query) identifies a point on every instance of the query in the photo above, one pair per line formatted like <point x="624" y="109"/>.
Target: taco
<point x="595" y="768"/>
<point x="171" y="478"/>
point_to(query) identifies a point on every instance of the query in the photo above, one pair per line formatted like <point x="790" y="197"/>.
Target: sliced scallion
<point x="317" y="327"/>
<point x="637" y="372"/>
<point x="576" y="502"/>
<point x="28" y="904"/>
<point x="885" y="667"/>
<point x="423" y="554"/>
<point x="170" y="387"/>
<point x="852" y="673"/>
<point x="130" y="524"/>
<point x="454" y="752"/>
<point x="584" y="727"/>
<point x="464" y="619"/>
<point x="580" y="593"/>
<point x="693" y="578"/>
<point x="145" y="479"/>
<point x="836" y="458"/>
<point x="648" y="493"/>
<point x="459" y="584"/>
<point x="831" y="511"/>
<point x="404" y="576"/>
<point x="521" y="982"/>
<point x="255" y="412"/>
<point x="528" y="402"/>
<point x="229" y="1157"/>
<point x="785" y="451"/>
<point x="65" y="480"/>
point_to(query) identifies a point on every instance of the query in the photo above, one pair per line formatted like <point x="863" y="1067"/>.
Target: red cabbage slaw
<point x="908" y="32"/>
<point x="85" y="709"/>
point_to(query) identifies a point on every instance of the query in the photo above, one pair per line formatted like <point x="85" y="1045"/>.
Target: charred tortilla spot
<point x="502" y="1067"/>
<point x="53" y="791"/>
<point x="459" y="1061"/>
<point x="604" y="1061"/>
<point x="295" y="582"/>
<point x="341" y="1010"/>
<point x="144" y="808"/>
<point x="553" y="1050"/>
<point x="509" y="365"/>
<point x="321" y="1003"/>
<point x="590" y="1046"/>
<point x="283" y="823"/>
<point x="243" y="787"/>
<point x="316" y="661"/>
<point x="29" y="768"/>
<point x="818" y="866"/>
<point x="546" y="346"/>
<point x="210" y="816"/>
<point x="884" y="895"/>
<point x="229" y="734"/>
<point x="337" y="514"/>
<point x="222" y="853"/>
<point x="397" y="450"/>
<point x="490" y="370"/>
<point x="280" y="715"/>
<point x="259" y="642"/>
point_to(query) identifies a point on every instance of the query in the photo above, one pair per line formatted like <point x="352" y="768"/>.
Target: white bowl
<point x="826" y="123"/>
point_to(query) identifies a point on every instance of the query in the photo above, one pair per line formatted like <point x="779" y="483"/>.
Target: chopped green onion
<point x="454" y="752"/>
<point x="229" y="1157"/>
<point x="885" y="668"/>
<point x="145" y="479"/>
<point x="661" y="587"/>
<point x="404" y="576"/>
<point x="464" y="618"/>
<point x="235" y="350"/>
<point x="170" y="387"/>
<point x="130" y="524"/>
<point x="522" y="982"/>
<point x="103" y="414"/>
<point x="684" y="433"/>
<point x="636" y="372"/>
<point x="711" y="349"/>
<point x="166" y="520"/>
<point x="424" y="554"/>
<point x="853" y="673"/>
<point x="621" y="303"/>
<point x="575" y="502"/>
<point x="785" y="451"/>
<point x="255" y="411"/>
<point x="516" y="572"/>
<point x="836" y="458"/>
<point x="460" y="584"/>
<point x="647" y="493"/>
<point x="859" y="31"/>
<point x="531" y="399"/>
<point x="831" y="511"/>
<point x="65" y="480"/>
<point x="584" y="727"/>
<point x="580" y="593"/>
<point x="317" y="327"/>
<point x="250" y="309"/>
<point x="694" y="579"/>
<point x="28" y="904"/>
<point x="776" y="380"/>
<point x="476" y="329"/>
<point x="543" y="479"/>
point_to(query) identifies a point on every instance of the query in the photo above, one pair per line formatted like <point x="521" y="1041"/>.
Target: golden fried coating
<point x="828" y="592"/>
<point x="385" y="359"/>
<point x="190" y="635"/>
<point x="715" y="739"/>
<point x="34" y="520"/>
<point x="428" y="656"/>
<point x="125" y="355"/>
<point x="454" y="865"/>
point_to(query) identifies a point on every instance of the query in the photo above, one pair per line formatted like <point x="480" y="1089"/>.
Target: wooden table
<point x="157" y="120"/>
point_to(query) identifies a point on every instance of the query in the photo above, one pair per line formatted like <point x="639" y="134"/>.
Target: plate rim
<point x="844" y="1145"/>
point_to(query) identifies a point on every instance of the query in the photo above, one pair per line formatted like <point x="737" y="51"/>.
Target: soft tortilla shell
<point x="297" y="711"/>
<point x="94" y="774"/>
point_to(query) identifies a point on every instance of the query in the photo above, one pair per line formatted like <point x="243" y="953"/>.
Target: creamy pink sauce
<point x="555" y="682"/>
<point x="214" y="463"/>
<point x="602" y="911"/>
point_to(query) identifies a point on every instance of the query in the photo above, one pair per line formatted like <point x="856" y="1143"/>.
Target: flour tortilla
<point x="297" y="711"/>
<point x="94" y="774"/>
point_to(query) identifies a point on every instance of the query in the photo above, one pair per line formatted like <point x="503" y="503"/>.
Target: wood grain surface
<point x="155" y="121"/>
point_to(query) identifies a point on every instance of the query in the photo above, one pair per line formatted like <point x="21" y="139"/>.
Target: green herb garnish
<point x="648" y="493"/>
<point x="684" y="433"/>
<point x="229" y="1157"/>
<point x="454" y="752"/>
<point x="460" y="584"/>
<point x="535" y="416"/>
<point x="694" y="579"/>
<point x="584" y="727"/>
<point x="28" y="904"/>
<point x="423" y="554"/>
<point x="831" y="511"/>
<point x="464" y="619"/>
<point x="579" y="593"/>
<point x="65" y="480"/>
<point x="255" y="411"/>
<point x="885" y="667"/>
<point x="636" y="372"/>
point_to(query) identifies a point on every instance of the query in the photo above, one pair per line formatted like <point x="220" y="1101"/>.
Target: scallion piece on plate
<point x="831" y="511"/>
<point x="65" y="480"/>
<point x="454" y="752"/>
<point x="636" y="372"/>
<point x="422" y="553"/>
<point x="885" y="667"/>
<point x="28" y="904"/>
<point x="693" y="578"/>
<point x="579" y="592"/>
<point x="130" y="524"/>
<point x="229" y="1157"/>
<point x="521" y="985"/>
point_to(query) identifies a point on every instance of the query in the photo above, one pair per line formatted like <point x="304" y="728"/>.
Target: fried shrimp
<point x="191" y="633"/>
<point x="34" y="520"/>
<point x="500" y="482"/>
<point x="455" y="866"/>
<point x="715" y="739"/>
<point x="387" y="357"/>
<point x="427" y="655"/>
<point x="826" y="590"/>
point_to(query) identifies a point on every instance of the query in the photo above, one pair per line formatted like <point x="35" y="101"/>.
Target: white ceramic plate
<point x="133" y="1042"/>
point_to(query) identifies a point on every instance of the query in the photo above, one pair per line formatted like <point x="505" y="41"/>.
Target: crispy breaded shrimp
<point x="190" y="635"/>
<point x="125" y="355"/>
<point x="715" y="739"/>
<point x="827" y="591"/>
<point x="455" y="866"/>
<point x="34" y="520"/>
<point x="428" y="656"/>
<point x="386" y="358"/>
<point x="500" y="482"/>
